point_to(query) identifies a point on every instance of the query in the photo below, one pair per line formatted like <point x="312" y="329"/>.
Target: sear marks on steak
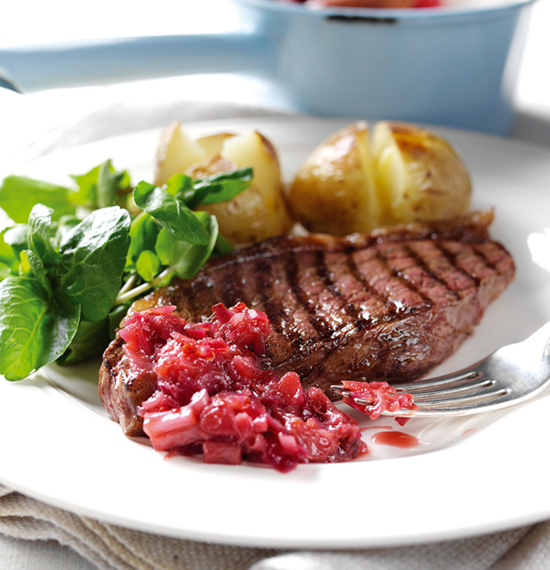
<point x="390" y="305"/>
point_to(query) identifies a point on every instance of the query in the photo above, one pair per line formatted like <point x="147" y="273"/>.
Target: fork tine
<point x="464" y="404"/>
<point x="458" y="397"/>
<point x="484" y="396"/>
<point x="512" y="374"/>
<point x="467" y="388"/>
<point x="425" y="396"/>
<point x="448" y="381"/>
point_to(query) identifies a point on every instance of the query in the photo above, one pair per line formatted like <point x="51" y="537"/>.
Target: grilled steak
<point x="389" y="305"/>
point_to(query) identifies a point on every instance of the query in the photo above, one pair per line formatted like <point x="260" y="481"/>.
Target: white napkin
<point x="35" y="125"/>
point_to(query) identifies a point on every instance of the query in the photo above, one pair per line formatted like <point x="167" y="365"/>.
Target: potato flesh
<point x="259" y="212"/>
<point x="213" y="144"/>
<point x="175" y="153"/>
<point x="426" y="178"/>
<point x="351" y="183"/>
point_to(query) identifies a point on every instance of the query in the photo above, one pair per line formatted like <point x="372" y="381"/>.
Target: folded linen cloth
<point x="36" y="125"/>
<point x="110" y="547"/>
<point x="40" y="123"/>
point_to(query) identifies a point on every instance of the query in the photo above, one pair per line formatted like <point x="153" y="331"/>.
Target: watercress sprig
<point x="59" y="283"/>
<point x="71" y="263"/>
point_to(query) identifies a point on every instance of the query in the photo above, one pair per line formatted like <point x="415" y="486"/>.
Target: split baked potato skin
<point x="333" y="191"/>
<point x="356" y="181"/>
<point x="438" y="185"/>
<point x="260" y="211"/>
<point x="257" y="213"/>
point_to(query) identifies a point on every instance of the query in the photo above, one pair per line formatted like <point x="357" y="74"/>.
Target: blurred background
<point x="30" y="23"/>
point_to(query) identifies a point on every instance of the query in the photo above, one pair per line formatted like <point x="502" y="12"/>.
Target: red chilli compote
<point x="217" y="396"/>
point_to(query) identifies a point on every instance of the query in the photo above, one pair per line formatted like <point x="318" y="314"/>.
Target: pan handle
<point x="70" y="64"/>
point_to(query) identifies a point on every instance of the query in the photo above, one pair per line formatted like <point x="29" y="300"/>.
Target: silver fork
<point x="512" y="374"/>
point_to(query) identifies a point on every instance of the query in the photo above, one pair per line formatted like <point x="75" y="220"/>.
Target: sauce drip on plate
<point x="395" y="439"/>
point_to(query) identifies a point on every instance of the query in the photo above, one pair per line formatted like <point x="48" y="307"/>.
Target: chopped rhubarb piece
<point x="221" y="452"/>
<point x="379" y="397"/>
<point x="216" y="394"/>
<point x="170" y="429"/>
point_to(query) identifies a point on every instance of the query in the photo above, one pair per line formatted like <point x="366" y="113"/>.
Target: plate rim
<point x="339" y="542"/>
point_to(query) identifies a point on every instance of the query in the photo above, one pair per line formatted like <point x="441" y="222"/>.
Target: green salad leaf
<point x="185" y="259"/>
<point x="72" y="260"/>
<point x="143" y="233"/>
<point x="18" y="195"/>
<point x="33" y="331"/>
<point x="93" y="256"/>
<point x="220" y="187"/>
<point x="101" y="187"/>
<point x="172" y="214"/>
<point x="16" y="237"/>
<point x="9" y="259"/>
<point x="148" y="265"/>
<point x="38" y="236"/>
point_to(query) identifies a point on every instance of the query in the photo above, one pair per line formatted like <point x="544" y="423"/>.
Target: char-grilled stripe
<point x="320" y="325"/>
<point x="425" y="267"/>
<point x="453" y="260"/>
<point x="480" y="249"/>
<point x="403" y="280"/>
<point x="228" y="289"/>
<point x="328" y="330"/>
<point x="352" y="309"/>
<point x="347" y="306"/>
<point x="264" y="282"/>
<point x="295" y="325"/>
<point x="194" y="293"/>
<point x="354" y="270"/>
<point x="326" y="276"/>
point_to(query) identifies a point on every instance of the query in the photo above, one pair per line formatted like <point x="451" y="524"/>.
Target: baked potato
<point x="334" y="190"/>
<point x="357" y="181"/>
<point x="253" y="215"/>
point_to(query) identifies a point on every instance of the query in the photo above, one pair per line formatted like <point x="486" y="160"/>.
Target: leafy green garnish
<point x="71" y="261"/>
<point x="9" y="258"/>
<point x="101" y="187"/>
<point x="80" y="276"/>
<point x="93" y="256"/>
<point x="38" y="237"/>
<point x="184" y="258"/>
<point x="171" y="212"/>
<point x="220" y="187"/>
<point x="19" y="194"/>
<point x="34" y="331"/>
<point x="148" y="265"/>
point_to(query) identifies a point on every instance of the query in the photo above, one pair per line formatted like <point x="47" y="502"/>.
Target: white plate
<point x="466" y="477"/>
